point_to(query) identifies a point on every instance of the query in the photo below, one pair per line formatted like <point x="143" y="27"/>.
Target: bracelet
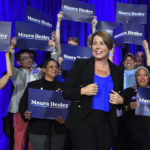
<point x="110" y="54"/>
<point x="57" y="27"/>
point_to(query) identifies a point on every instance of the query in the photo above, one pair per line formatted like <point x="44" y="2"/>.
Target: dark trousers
<point x="93" y="133"/>
<point x="139" y="139"/>
<point x="122" y="139"/>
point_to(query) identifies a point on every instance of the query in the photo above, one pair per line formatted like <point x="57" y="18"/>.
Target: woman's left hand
<point x="115" y="98"/>
<point x="60" y="120"/>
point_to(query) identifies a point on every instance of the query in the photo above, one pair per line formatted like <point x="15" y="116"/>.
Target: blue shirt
<point x="105" y="87"/>
<point x="129" y="78"/>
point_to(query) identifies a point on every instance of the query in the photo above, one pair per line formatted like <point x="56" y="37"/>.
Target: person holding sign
<point x="94" y="86"/>
<point x="44" y="134"/>
<point x="20" y="78"/>
<point x="6" y="77"/>
<point x="138" y="126"/>
<point x="72" y="40"/>
<point x="141" y="60"/>
<point x="129" y="81"/>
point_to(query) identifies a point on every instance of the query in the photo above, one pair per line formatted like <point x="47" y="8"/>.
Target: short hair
<point x="18" y="54"/>
<point x="75" y="39"/>
<point x="129" y="55"/>
<point x="141" y="67"/>
<point x="47" y="60"/>
<point x="107" y="38"/>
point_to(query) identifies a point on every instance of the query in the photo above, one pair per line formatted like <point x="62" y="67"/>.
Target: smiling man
<point x="20" y="78"/>
<point x="129" y="72"/>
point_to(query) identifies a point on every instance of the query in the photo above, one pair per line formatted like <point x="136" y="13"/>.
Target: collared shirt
<point x="129" y="78"/>
<point x="20" y="79"/>
<point x="31" y="76"/>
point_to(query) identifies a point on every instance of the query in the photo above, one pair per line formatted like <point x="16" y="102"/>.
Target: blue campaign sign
<point x="5" y="34"/>
<point x="143" y="99"/>
<point x="36" y="16"/>
<point x="47" y="104"/>
<point x="129" y="33"/>
<point x="70" y="53"/>
<point x="78" y="11"/>
<point x="32" y="36"/>
<point x="131" y="13"/>
<point x="106" y="26"/>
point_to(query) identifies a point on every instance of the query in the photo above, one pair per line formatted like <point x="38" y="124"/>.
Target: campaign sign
<point x="70" y="53"/>
<point x="131" y="13"/>
<point x="32" y="36"/>
<point x="78" y="11"/>
<point x="36" y="16"/>
<point x="47" y="104"/>
<point x="106" y="26"/>
<point x="143" y="99"/>
<point x="5" y="34"/>
<point x="129" y="33"/>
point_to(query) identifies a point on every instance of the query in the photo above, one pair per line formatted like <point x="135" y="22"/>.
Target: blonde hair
<point x="141" y="67"/>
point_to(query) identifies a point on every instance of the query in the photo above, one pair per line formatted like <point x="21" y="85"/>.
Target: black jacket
<point x="81" y="75"/>
<point x="40" y="126"/>
<point x="134" y="122"/>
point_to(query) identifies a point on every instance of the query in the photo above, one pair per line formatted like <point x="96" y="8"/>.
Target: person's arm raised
<point x="60" y="17"/>
<point x="147" y="53"/>
<point x="6" y="77"/>
<point x="94" y="23"/>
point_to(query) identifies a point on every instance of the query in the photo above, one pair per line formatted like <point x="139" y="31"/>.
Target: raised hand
<point x="145" y="44"/>
<point x="94" y="21"/>
<point x="13" y="43"/>
<point x="60" y="16"/>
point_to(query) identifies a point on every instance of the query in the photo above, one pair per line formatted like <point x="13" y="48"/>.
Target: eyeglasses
<point x="25" y="58"/>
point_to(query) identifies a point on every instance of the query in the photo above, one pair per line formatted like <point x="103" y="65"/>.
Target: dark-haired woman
<point x="138" y="126"/>
<point x="44" y="134"/>
<point x="93" y="86"/>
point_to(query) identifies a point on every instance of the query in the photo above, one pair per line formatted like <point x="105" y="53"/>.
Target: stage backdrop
<point x="11" y="10"/>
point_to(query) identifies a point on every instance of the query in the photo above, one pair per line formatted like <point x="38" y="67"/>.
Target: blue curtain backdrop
<point x="11" y="10"/>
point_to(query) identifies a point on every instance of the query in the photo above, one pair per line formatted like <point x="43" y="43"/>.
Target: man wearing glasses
<point x="20" y="78"/>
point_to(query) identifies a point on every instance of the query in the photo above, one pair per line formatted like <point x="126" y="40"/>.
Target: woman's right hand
<point x="89" y="90"/>
<point x="133" y="105"/>
<point x="27" y="115"/>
